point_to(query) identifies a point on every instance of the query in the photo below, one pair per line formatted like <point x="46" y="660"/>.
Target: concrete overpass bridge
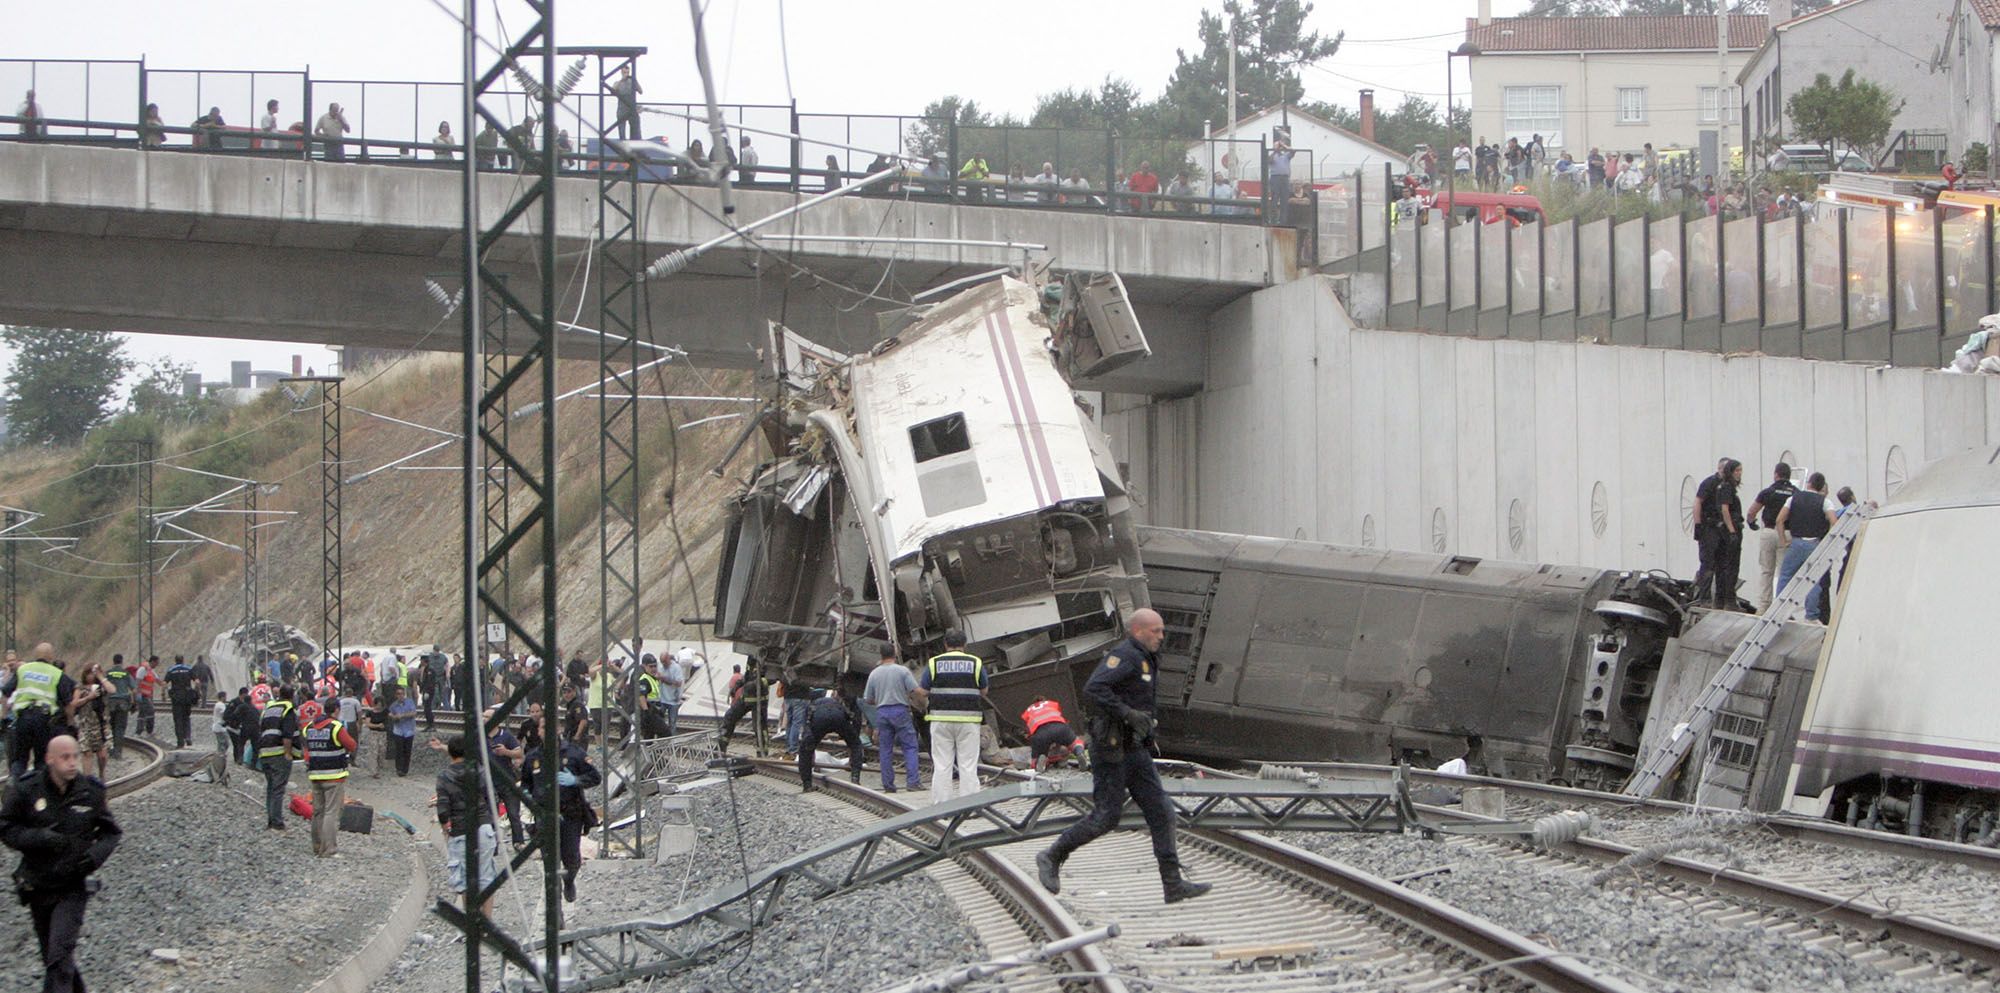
<point x="124" y="239"/>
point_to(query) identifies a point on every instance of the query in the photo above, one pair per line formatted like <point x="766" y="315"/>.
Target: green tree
<point x="61" y="382"/>
<point x="1854" y="113"/>
<point x="1416" y="121"/>
<point x="1271" y="44"/>
<point x="932" y="135"/>
<point x="158" y="392"/>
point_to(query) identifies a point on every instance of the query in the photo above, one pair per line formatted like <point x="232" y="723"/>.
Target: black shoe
<point x="1050" y="872"/>
<point x="891" y="788"/>
<point x="807" y="788"/>
<point x="1181" y="889"/>
<point x="569" y="890"/>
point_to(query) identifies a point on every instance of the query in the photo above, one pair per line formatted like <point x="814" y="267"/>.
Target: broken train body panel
<point x="948" y="479"/>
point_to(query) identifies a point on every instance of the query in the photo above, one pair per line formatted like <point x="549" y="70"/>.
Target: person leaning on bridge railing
<point x="152" y="130"/>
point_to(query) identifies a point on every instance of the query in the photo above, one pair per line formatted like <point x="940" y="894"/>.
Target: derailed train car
<point x="948" y="479"/>
<point x="1899" y="730"/>
<point x="1296" y="650"/>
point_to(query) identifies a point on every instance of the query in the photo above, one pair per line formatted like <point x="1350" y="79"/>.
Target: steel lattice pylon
<point x="250" y="591"/>
<point x="140" y="456"/>
<point x="12" y="555"/>
<point x="526" y="374"/>
<point x="326" y="390"/>
<point x="616" y="954"/>
<point x="620" y="267"/>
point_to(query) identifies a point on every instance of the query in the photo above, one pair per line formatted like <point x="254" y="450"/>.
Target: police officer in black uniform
<point x="181" y="694"/>
<point x="58" y="820"/>
<point x="1118" y="703"/>
<point x="832" y="713"/>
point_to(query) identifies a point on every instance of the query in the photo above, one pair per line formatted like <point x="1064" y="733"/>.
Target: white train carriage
<point x="1900" y="729"/>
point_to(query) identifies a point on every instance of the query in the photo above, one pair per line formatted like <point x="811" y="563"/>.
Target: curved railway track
<point x="1280" y="919"/>
<point x="142" y="776"/>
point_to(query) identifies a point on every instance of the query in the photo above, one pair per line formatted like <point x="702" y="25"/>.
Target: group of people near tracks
<point x="950" y="689"/>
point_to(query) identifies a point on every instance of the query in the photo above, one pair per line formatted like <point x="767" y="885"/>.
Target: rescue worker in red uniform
<point x="1050" y="739"/>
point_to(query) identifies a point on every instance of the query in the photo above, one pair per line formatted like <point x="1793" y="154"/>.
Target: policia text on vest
<point x="955" y="681"/>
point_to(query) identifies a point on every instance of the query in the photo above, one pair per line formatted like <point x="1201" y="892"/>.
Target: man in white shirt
<point x="680" y="666"/>
<point x="1461" y="162"/>
<point x="1075" y="188"/>
<point x="746" y="161"/>
<point x="1048" y="178"/>
<point x="333" y="126"/>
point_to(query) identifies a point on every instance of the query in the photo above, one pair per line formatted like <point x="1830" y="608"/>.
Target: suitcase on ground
<point x="357" y="818"/>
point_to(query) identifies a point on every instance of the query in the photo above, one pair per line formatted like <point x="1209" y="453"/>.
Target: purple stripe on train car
<point x="1823" y="740"/>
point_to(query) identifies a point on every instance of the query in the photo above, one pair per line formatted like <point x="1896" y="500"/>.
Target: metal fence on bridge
<point x="128" y="103"/>
<point x="1873" y="285"/>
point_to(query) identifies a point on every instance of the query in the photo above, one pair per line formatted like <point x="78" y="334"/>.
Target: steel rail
<point x="1041" y="911"/>
<point x="143" y="776"/>
<point x="1788" y="826"/>
<point x="1862" y="916"/>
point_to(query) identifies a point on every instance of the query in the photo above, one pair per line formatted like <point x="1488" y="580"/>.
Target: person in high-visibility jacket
<point x="329" y="749"/>
<point x="1050" y="739"/>
<point x="41" y="693"/>
<point x="277" y="736"/>
<point x="955" y="681"/>
<point x="974" y="172"/>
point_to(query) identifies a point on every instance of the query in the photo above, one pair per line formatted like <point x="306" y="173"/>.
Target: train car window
<point x="941" y="437"/>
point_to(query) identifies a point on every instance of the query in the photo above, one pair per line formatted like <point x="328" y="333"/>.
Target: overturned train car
<point x="1899" y="731"/>
<point x="947" y="479"/>
<point x="1295" y="650"/>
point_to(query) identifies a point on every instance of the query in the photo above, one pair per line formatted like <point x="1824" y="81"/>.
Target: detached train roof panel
<point x="967" y="420"/>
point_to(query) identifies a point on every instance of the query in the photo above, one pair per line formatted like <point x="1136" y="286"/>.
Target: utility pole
<point x="1723" y="101"/>
<point x="139" y="452"/>
<point x="1232" y="76"/>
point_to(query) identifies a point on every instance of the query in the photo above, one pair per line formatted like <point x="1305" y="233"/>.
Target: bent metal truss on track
<point x="611" y="955"/>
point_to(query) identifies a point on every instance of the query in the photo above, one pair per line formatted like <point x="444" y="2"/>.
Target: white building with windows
<point x="1612" y="83"/>
<point x="1892" y="43"/>
<point x="1970" y="59"/>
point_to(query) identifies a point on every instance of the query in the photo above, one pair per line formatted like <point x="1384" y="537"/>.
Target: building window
<point x="1711" y="101"/>
<point x="1531" y="110"/>
<point x="1631" y="105"/>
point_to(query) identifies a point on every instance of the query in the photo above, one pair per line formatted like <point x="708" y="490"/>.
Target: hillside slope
<point x="401" y="528"/>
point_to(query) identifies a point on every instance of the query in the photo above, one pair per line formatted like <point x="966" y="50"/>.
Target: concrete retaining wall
<point x="1543" y="451"/>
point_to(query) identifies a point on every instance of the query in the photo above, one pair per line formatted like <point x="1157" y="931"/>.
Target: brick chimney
<point x="298" y="364"/>
<point x="1368" y="115"/>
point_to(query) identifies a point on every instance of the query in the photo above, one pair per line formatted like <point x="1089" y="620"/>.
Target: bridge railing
<point x="1858" y="284"/>
<point x="398" y="122"/>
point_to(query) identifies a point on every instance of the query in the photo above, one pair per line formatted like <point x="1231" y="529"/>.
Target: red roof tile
<point x="1676" y="32"/>
<point x="1988" y="11"/>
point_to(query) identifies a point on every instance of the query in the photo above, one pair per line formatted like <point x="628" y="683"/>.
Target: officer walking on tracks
<point x="329" y="751"/>
<point x="1118" y="701"/>
<point x="58" y="820"/>
<point x="277" y="736"/>
<point x="40" y="692"/>
<point x="956" y="682"/>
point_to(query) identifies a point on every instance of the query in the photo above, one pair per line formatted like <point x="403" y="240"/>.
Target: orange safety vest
<point x="1042" y="712"/>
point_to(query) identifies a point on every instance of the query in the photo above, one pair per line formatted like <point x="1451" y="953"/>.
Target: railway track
<point x="1878" y="902"/>
<point x="1280" y="919"/>
<point x="142" y="776"/>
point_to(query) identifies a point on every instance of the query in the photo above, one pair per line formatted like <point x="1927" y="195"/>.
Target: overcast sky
<point x="878" y="56"/>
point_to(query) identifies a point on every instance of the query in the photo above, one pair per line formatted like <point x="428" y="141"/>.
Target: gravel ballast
<point x="1624" y="921"/>
<point x="860" y="941"/>
<point x="198" y="872"/>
